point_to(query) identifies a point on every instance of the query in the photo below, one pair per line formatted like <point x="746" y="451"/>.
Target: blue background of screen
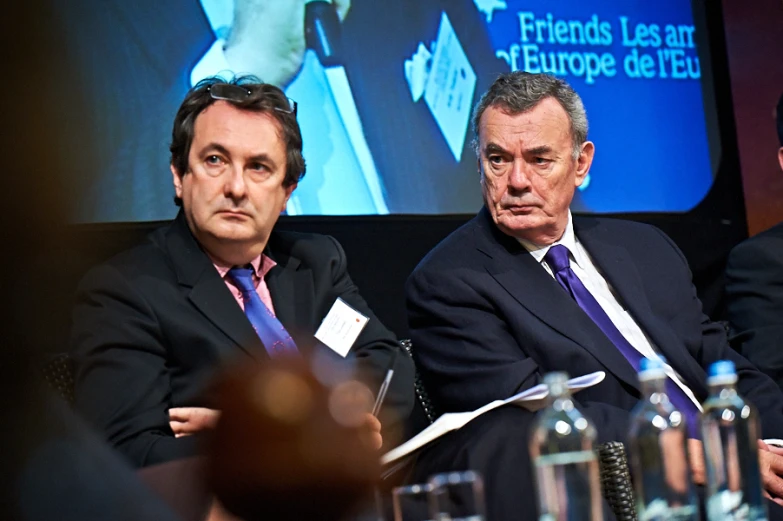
<point x="652" y="152"/>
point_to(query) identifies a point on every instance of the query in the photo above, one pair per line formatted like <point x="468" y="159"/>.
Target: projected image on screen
<point x="385" y="93"/>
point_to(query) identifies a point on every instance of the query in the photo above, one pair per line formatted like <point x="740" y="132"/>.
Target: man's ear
<point x="177" y="179"/>
<point x="780" y="157"/>
<point x="288" y="191"/>
<point x="584" y="161"/>
<point x="480" y="167"/>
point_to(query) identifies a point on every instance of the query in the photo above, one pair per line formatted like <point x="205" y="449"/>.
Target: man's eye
<point x="495" y="160"/>
<point x="541" y="160"/>
<point x="257" y="166"/>
<point x="213" y="160"/>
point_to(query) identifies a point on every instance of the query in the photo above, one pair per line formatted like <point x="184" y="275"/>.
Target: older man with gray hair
<point x="526" y="288"/>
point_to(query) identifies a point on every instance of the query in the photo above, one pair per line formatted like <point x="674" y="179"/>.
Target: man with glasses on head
<point x="152" y="325"/>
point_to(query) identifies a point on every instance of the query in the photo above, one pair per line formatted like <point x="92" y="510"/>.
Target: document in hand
<point x="531" y="399"/>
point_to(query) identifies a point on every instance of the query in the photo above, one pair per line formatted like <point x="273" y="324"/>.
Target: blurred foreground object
<point x="289" y="448"/>
<point x="730" y="429"/>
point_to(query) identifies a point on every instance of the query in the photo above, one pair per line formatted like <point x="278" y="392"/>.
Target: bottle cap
<point x="722" y="371"/>
<point x="651" y="363"/>
<point x="651" y="368"/>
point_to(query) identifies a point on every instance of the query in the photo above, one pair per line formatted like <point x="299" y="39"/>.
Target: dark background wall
<point x="754" y="44"/>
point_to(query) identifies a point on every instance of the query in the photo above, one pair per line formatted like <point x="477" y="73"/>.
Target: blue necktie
<point x="557" y="259"/>
<point x="272" y="333"/>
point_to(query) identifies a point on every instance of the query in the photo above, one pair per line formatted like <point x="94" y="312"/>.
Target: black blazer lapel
<point x="208" y="292"/>
<point x="617" y="266"/>
<point x="529" y="284"/>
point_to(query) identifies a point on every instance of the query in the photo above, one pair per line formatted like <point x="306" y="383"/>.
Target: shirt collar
<point x="261" y="266"/>
<point x="568" y="240"/>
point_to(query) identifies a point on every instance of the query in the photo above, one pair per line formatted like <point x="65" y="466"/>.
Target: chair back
<point x="58" y="373"/>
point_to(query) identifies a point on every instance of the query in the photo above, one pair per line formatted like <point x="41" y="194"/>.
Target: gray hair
<point x="520" y="91"/>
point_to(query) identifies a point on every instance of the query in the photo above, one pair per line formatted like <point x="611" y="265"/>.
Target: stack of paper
<point x="531" y="399"/>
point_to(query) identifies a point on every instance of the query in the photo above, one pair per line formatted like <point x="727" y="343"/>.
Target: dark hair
<point x="262" y="97"/>
<point x="520" y="91"/>
<point x="779" y="115"/>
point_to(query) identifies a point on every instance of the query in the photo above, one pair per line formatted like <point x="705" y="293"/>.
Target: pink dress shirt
<point x="261" y="266"/>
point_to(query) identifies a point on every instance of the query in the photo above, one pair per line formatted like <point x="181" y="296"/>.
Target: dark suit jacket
<point x="488" y="321"/>
<point x="153" y="324"/>
<point x="754" y="300"/>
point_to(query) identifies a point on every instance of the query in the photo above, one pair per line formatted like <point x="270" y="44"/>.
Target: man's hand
<point x="218" y="513"/>
<point x="373" y="435"/>
<point x="190" y="420"/>
<point x="267" y="38"/>
<point x="696" y="457"/>
<point x="771" y="467"/>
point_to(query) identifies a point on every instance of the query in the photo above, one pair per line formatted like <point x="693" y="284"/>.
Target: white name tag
<point x="341" y="327"/>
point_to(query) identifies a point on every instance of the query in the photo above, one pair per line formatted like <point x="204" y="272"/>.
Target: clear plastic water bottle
<point x="566" y="467"/>
<point x="658" y="447"/>
<point x="730" y="429"/>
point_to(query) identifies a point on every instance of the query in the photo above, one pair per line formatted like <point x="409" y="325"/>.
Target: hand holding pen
<point x="371" y="420"/>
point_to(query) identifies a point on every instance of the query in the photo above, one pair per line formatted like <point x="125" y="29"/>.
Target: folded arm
<point x="122" y="384"/>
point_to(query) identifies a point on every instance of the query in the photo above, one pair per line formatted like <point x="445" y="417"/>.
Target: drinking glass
<point x="410" y="502"/>
<point x="456" y="496"/>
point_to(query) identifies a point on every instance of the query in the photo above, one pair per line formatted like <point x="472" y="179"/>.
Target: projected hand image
<point x="296" y="46"/>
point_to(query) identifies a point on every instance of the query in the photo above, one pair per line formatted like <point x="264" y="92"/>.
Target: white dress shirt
<point x="582" y="265"/>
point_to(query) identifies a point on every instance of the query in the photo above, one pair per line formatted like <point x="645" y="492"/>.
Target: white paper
<point x="531" y="399"/>
<point x="450" y="86"/>
<point x="341" y="327"/>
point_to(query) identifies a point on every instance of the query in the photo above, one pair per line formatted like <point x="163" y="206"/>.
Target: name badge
<point x="341" y="327"/>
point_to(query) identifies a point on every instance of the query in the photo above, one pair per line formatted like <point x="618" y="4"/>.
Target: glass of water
<point x="457" y="496"/>
<point x="410" y="502"/>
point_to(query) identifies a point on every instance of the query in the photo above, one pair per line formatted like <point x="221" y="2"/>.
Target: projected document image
<point x="385" y="93"/>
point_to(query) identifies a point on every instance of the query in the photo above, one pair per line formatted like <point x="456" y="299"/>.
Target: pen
<point x="384" y="386"/>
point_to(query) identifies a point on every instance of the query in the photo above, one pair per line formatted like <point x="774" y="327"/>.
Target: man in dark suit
<point x="152" y="325"/>
<point x="754" y="292"/>
<point x="526" y="288"/>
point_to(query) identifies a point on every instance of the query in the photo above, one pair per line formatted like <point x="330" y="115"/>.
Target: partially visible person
<point x="53" y="466"/>
<point x="526" y="288"/>
<point x="152" y="325"/>
<point x="754" y="291"/>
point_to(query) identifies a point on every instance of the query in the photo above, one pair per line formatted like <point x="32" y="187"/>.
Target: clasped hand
<point x="185" y="421"/>
<point x="770" y="466"/>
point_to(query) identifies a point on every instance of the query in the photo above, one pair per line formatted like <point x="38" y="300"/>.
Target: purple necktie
<point x="557" y="259"/>
<point x="272" y="333"/>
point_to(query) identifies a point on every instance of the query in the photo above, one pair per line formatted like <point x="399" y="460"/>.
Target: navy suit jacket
<point x="754" y="300"/>
<point x="487" y="321"/>
<point x="152" y="325"/>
